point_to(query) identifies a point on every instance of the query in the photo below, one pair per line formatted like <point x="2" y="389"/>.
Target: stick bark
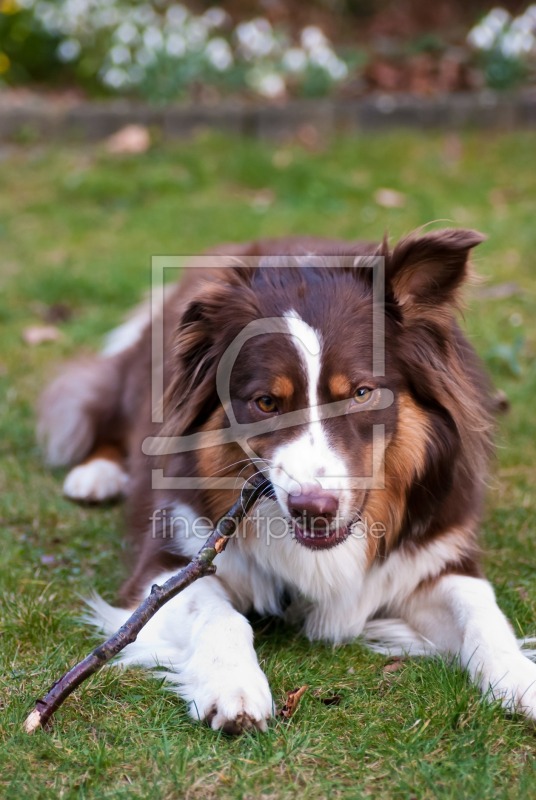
<point x="201" y="565"/>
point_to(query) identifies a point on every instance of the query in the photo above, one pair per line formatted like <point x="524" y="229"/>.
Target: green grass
<point x="79" y="227"/>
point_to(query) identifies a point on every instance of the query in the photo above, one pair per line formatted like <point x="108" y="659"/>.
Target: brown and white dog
<point x="377" y="467"/>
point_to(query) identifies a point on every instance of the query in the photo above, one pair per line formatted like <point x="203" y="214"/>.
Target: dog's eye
<point x="363" y="394"/>
<point x="266" y="404"/>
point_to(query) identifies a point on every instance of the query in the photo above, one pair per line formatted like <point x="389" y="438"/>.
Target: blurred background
<point x="164" y="51"/>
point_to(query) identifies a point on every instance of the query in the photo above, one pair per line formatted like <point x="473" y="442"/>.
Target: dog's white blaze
<point x="308" y="343"/>
<point x="310" y="458"/>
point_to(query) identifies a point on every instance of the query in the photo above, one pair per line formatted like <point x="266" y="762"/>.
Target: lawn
<point x="77" y="230"/>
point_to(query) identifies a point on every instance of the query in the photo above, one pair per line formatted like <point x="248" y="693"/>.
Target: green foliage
<point x="78" y="227"/>
<point x="502" y="71"/>
<point x="30" y="53"/>
<point x="507" y="356"/>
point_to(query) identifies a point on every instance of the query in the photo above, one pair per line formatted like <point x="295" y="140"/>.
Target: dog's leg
<point x="207" y="646"/>
<point x="460" y="616"/>
<point x="101" y="477"/>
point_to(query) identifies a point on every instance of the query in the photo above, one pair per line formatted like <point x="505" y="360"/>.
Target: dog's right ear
<point x="424" y="273"/>
<point x="210" y="322"/>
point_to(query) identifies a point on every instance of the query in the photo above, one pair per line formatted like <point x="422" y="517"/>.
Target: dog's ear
<point x="424" y="273"/>
<point x="210" y="322"/>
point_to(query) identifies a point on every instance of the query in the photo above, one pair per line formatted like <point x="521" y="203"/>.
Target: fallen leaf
<point x="58" y="312"/>
<point x="282" y="159"/>
<point x="262" y="200"/>
<point x="54" y="313"/>
<point x="291" y="704"/>
<point x="522" y="592"/>
<point x="309" y="137"/>
<point x="37" y="334"/>
<point x="393" y="666"/>
<point x="390" y="198"/>
<point x="132" y="139"/>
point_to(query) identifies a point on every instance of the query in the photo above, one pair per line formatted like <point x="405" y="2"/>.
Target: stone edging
<point x="38" y="118"/>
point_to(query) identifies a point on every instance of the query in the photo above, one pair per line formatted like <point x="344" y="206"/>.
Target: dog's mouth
<point x="318" y="535"/>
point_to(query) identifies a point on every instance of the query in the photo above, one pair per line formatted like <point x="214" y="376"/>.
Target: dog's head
<point x="345" y="381"/>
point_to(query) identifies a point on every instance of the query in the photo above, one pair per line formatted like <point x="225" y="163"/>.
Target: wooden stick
<point x="200" y="566"/>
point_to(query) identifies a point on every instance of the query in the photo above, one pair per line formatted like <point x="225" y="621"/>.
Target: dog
<point x="347" y="385"/>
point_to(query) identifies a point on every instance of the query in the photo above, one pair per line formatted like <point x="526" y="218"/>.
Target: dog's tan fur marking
<point x="110" y="452"/>
<point x="283" y="387"/>
<point x="340" y="386"/>
<point x="405" y="458"/>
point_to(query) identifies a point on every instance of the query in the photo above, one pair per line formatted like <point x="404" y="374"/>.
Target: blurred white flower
<point x="336" y="69"/>
<point x="530" y="16"/>
<point x="219" y="54"/>
<point x="106" y="17"/>
<point x="196" y="33"/>
<point x="482" y="37"/>
<point x="175" y="45"/>
<point x="145" y="15"/>
<point x="49" y="17"/>
<point x="145" y="57"/>
<point x="68" y="50"/>
<point x="516" y="43"/>
<point x="295" y="60"/>
<point x="127" y="33"/>
<point x="215" y="17"/>
<point x="120" y="55"/>
<point x="312" y="37"/>
<point x="256" y="38"/>
<point x="488" y="31"/>
<point x="515" y="38"/>
<point x="177" y="15"/>
<point x="497" y="19"/>
<point x="153" y="39"/>
<point x="324" y="57"/>
<point x="267" y="84"/>
<point x="115" y="78"/>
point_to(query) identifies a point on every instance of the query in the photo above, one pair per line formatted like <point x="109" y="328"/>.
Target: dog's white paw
<point x="234" y="703"/>
<point x="514" y="683"/>
<point x="95" y="482"/>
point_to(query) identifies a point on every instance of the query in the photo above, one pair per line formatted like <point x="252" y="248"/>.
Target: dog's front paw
<point x="234" y="703"/>
<point x="514" y="683"/>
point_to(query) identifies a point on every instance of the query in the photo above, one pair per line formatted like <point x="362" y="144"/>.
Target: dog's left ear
<point x="425" y="272"/>
<point x="218" y="312"/>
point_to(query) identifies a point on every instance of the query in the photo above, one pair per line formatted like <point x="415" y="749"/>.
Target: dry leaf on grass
<point x="389" y="198"/>
<point x="393" y="666"/>
<point x="132" y="139"/>
<point x="37" y="334"/>
<point x="54" y="313"/>
<point x="57" y="312"/>
<point x="291" y="703"/>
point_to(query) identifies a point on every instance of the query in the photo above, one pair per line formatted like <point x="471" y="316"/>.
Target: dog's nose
<point x="313" y="504"/>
